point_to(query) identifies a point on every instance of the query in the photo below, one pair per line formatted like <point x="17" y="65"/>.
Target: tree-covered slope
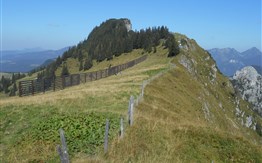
<point x="106" y="41"/>
<point x="112" y="38"/>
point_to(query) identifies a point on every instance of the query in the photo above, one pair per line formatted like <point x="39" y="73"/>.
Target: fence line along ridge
<point x="32" y="87"/>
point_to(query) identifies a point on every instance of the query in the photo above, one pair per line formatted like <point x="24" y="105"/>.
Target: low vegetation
<point x="188" y="117"/>
<point x="187" y="114"/>
<point x="170" y="126"/>
<point x="30" y="124"/>
<point x="85" y="132"/>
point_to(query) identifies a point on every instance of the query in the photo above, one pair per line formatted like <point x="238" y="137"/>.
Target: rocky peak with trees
<point x="112" y="38"/>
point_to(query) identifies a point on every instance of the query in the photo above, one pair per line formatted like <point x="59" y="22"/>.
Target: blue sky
<point x="54" y="24"/>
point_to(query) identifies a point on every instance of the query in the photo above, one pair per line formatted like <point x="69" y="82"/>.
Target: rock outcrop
<point x="247" y="82"/>
<point x="128" y="24"/>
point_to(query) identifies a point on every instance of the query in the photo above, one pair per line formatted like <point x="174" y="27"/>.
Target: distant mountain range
<point x="230" y="60"/>
<point x="28" y="59"/>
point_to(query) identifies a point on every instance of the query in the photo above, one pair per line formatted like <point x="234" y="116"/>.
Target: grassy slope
<point x="110" y="95"/>
<point x="170" y="123"/>
<point x="73" y="64"/>
<point x="170" y="126"/>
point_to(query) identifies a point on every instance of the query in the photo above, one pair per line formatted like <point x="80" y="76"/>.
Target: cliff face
<point x="247" y="83"/>
<point x="128" y="24"/>
<point x="220" y="96"/>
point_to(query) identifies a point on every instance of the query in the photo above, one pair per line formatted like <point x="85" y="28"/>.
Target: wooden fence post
<point x="71" y="79"/>
<point x="33" y="87"/>
<point x="130" y="111"/>
<point x="54" y="84"/>
<point x="137" y="100"/>
<point x="62" y="150"/>
<point x="43" y="85"/>
<point x="142" y="89"/>
<point x="108" y="71"/>
<point x="63" y="82"/>
<point x="20" y="89"/>
<point x="106" y="136"/>
<point x="78" y="78"/>
<point x="121" y="128"/>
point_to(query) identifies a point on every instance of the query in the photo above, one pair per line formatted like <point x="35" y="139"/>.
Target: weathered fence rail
<point x="32" y="87"/>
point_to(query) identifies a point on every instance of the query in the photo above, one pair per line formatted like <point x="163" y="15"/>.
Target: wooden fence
<point x="62" y="149"/>
<point x="32" y="87"/>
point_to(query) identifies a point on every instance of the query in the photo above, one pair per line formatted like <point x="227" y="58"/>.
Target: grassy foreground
<point x="184" y="117"/>
<point x="29" y="125"/>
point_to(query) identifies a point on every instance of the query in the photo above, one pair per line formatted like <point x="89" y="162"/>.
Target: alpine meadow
<point x="173" y="105"/>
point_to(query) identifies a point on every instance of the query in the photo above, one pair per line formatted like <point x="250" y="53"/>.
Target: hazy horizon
<point x="35" y="49"/>
<point x="55" y="25"/>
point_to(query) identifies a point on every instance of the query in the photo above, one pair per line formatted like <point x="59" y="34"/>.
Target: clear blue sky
<point x="54" y="24"/>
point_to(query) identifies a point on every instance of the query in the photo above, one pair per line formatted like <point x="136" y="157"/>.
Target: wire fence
<point x="32" y="87"/>
<point x="133" y="103"/>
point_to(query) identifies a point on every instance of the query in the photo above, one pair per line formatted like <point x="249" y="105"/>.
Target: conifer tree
<point x="13" y="90"/>
<point x="81" y="67"/>
<point x="64" y="70"/>
<point x="88" y="64"/>
<point x="172" y="46"/>
<point x="13" y="78"/>
<point x="155" y="49"/>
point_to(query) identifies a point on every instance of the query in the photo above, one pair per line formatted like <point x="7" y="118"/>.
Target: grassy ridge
<point x="170" y="126"/>
<point x="24" y="119"/>
<point x="183" y="117"/>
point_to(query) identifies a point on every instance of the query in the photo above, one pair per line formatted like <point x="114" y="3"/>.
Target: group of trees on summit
<point x="111" y="39"/>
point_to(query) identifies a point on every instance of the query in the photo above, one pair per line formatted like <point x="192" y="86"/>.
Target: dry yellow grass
<point x="105" y="95"/>
<point x="170" y="123"/>
<point x="125" y="57"/>
<point x="110" y="85"/>
<point x="170" y="126"/>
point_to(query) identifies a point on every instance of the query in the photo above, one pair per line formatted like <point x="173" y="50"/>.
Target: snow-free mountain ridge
<point x="230" y="60"/>
<point x="28" y="59"/>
